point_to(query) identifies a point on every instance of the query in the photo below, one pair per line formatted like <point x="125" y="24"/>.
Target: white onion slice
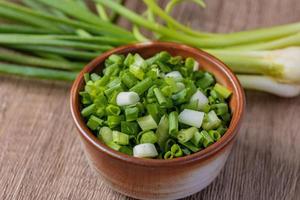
<point x="127" y="98"/>
<point x="146" y="150"/>
<point x="191" y="117"/>
<point x="201" y="98"/>
<point x="175" y="75"/>
<point x="180" y="86"/>
<point x="196" y="66"/>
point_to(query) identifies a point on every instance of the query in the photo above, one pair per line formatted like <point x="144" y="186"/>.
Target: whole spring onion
<point x="69" y="32"/>
<point x="154" y="118"/>
<point x="245" y="52"/>
<point x="282" y="64"/>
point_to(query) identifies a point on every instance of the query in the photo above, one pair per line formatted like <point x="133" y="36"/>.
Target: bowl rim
<point x="202" y="154"/>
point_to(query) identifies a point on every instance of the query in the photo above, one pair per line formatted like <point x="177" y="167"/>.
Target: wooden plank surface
<point x="41" y="158"/>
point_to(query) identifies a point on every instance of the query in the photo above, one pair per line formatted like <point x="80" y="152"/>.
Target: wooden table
<point x="41" y="158"/>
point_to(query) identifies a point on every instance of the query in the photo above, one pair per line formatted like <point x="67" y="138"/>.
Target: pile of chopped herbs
<point x="159" y="107"/>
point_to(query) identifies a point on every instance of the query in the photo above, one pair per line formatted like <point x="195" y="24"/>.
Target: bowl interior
<point x="207" y="62"/>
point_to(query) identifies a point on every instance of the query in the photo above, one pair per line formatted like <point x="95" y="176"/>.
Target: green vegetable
<point x="153" y="110"/>
<point x="105" y="134"/>
<point x="114" y="146"/>
<point x="120" y="138"/>
<point x="142" y="86"/>
<point x="87" y="111"/>
<point x="131" y="113"/>
<point x="160" y="97"/>
<point x="197" y="139"/>
<point x="162" y="131"/>
<point x="241" y="62"/>
<point x="176" y="150"/>
<point x="207" y="139"/>
<point x="169" y="155"/>
<point x="113" y="121"/>
<point x="130" y="128"/>
<point x="148" y="137"/>
<point x="127" y="150"/>
<point x="187" y="134"/>
<point x="33" y="72"/>
<point x="214" y="134"/>
<point x="55" y="31"/>
<point x="13" y="39"/>
<point x="94" y="122"/>
<point x="147" y="123"/>
<point x="211" y="121"/>
<point x="191" y="146"/>
<point x="173" y="123"/>
<point x="128" y="117"/>
<point x="223" y="91"/>
<point x="113" y="110"/>
<point x="68" y="53"/>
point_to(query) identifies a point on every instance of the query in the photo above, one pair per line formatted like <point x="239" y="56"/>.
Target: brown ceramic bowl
<point x="152" y="178"/>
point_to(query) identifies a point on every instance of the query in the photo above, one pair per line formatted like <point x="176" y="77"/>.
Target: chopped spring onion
<point x="168" y="155"/>
<point x="146" y="150"/>
<point x="220" y="108"/>
<point x="191" y="117"/>
<point x="191" y="146"/>
<point x="113" y="121"/>
<point x="175" y="75"/>
<point x="214" y="134"/>
<point x="105" y="134"/>
<point x="211" y="121"/>
<point x="153" y="110"/>
<point x="162" y="131"/>
<point x="223" y="91"/>
<point x="206" y="81"/>
<point x="207" y="139"/>
<point x="197" y="139"/>
<point x="113" y="145"/>
<point x="137" y="72"/>
<point x="127" y="150"/>
<point x="196" y="66"/>
<point x="148" y="137"/>
<point x="159" y="116"/>
<point x="147" y="123"/>
<point x="127" y="98"/>
<point x="120" y="138"/>
<point x="187" y="134"/>
<point x="200" y="98"/>
<point x="94" y="122"/>
<point x="113" y="110"/>
<point x="173" y="123"/>
<point x="128" y="79"/>
<point x="87" y="111"/>
<point x="131" y="113"/>
<point x="176" y="150"/>
<point x="180" y="86"/>
<point x="159" y="96"/>
<point x="142" y="86"/>
<point x="130" y="128"/>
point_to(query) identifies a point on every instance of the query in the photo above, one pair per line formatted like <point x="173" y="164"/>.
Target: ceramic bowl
<point x="152" y="178"/>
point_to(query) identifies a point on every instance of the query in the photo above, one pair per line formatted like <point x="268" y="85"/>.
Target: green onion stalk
<point x="63" y="35"/>
<point x="268" y="55"/>
<point x="54" y="39"/>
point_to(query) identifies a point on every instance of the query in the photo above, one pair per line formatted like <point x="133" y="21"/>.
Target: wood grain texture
<point x="41" y="158"/>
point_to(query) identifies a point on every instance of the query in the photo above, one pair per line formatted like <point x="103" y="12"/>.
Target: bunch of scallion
<point x="54" y="39"/>
<point x="65" y="34"/>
